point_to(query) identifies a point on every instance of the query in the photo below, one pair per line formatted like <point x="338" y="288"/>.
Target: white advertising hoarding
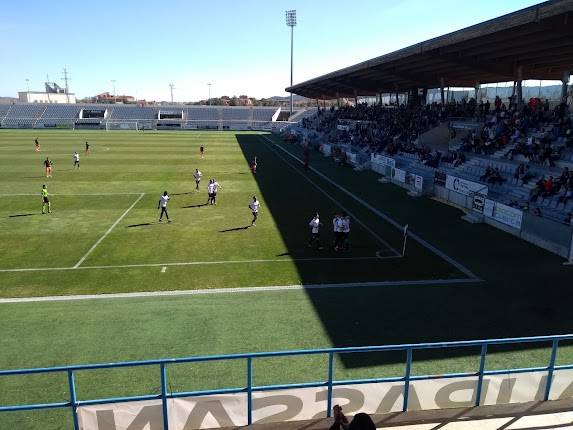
<point x="399" y="175"/>
<point x="229" y="410"/>
<point x="383" y="160"/>
<point x="464" y="186"/>
<point x="502" y="213"/>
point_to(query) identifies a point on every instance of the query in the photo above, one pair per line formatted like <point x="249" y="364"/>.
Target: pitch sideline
<point x="177" y="293"/>
<point x="385" y="217"/>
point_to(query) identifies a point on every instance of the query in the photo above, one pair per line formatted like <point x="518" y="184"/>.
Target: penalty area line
<point x="70" y="194"/>
<point x="385" y="217"/>
<point x="94" y="246"/>
<point x="207" y="291"/>
<point x="336" y="202"/>
<point x="201" y="263"/>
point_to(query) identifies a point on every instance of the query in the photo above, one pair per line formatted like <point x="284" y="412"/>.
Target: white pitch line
<point x="108" y="232"/>
<point x="385" y="217"/>
<point x="368" y="229"/>
<point x="207" y="291"/>
<point x="73" y="194"/>
<point x="198" y="263"/>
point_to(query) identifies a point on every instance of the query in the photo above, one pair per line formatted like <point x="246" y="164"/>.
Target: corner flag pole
<point x="405" y="239"/>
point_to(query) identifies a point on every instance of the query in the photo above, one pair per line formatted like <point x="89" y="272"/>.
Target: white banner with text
<point x="464" y="186"/>
<point x="228" y="410"/>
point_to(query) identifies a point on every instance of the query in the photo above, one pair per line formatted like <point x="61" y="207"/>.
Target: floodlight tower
<point x="291" y="22"/>
<point x="209" y="84"/>
<point x="66" y="80"/>
<point x="171" y="86"/>
<point x="113" y="81"/>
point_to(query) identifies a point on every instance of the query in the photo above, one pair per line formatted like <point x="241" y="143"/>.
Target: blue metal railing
<point x="249" y="388"/>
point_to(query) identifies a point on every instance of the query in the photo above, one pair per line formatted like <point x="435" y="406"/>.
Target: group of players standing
<point x="212" y="189"/>
<point x="340" y="229"/>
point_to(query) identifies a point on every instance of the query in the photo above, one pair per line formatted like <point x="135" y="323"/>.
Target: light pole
<point x="28" y="84"/>
<point x="291" y="22"/>
<point x="171" y="86"/>
<point x="209" y="84"/>
<point x="113" y="83"/>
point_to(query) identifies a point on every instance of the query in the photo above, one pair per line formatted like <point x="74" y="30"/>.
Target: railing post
<point x="164" y="396"/>
<point x="330" y="378"/>
<point x="249" y="390"/>
<point x="480" y="373"/>
<point x="551" y="368"/>
<point x="73" y="399"/>
<point x="407" y="379"/>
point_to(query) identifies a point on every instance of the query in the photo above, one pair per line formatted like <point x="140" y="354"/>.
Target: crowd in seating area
<point x="530" y="146"/>
<point x="531" y="131"/>
<point x="388" y="129"/>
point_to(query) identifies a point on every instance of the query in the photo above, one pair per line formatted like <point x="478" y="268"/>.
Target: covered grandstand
<point x="532" y="43"/>
<point x="514" y="156"/>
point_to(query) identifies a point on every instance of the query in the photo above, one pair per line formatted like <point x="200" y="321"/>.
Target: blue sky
<point x="242" y="47"/>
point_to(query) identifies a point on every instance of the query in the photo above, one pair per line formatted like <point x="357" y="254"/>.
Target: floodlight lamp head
<point x="290" y="18"/>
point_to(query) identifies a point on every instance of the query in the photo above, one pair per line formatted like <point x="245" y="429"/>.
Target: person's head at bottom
<point x="362" y="421"/>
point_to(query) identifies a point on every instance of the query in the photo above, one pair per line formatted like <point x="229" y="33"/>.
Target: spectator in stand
<point x="568" y="219"/>
<point x="527" y="175"/>
<point x="361" y="421"/>
<point x="539" y="187"/>
<point x="548" y="187"/>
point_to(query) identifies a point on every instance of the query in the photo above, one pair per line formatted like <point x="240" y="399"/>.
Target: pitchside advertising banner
<point x="504" y="214"/>
<point x="382" y="160"/>
<point x="227" y="410"/>
<point x="464" y="186"/>
<point x="399" y="175"/>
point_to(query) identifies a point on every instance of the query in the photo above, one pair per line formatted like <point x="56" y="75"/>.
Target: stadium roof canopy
<point x="538" y="41"/>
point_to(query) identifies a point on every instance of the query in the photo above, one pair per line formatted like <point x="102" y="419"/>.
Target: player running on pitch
<point x="315" y="225"/>
<point x="306" y="160"/>
<point x="210" y="190"/>
<point x="48" y="165"/>
<point x="216" y="187"/>
<point x="162" y="204"/>
<point x="202" y="150"/>
<point x="37" y="145"/>
<point x="254" y="206"/>
<point x="88" y="150"/>
<point x="254" y="165"/>
<point x="197" y="175"/>
<point x="76" y="159"/>
<point x="45" y="200"/>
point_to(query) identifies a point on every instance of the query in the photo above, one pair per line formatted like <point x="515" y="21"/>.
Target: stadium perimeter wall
<point x="545" y="233"/>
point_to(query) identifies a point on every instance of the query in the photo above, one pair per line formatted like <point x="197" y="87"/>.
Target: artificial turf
<point x="526" y="291"/>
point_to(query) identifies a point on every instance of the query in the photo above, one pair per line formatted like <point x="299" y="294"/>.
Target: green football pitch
<point x="457" y="281"/>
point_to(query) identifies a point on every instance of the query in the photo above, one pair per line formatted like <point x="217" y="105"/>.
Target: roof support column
<point x="442" y="81"/>
<point x="477" y="92"/>
<point x="518" y="86"/>
<point x="338" y="99"/>
<point x="564" y="82"/>
<point x="355" y="98"/>
<point x="381" y="96"/>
